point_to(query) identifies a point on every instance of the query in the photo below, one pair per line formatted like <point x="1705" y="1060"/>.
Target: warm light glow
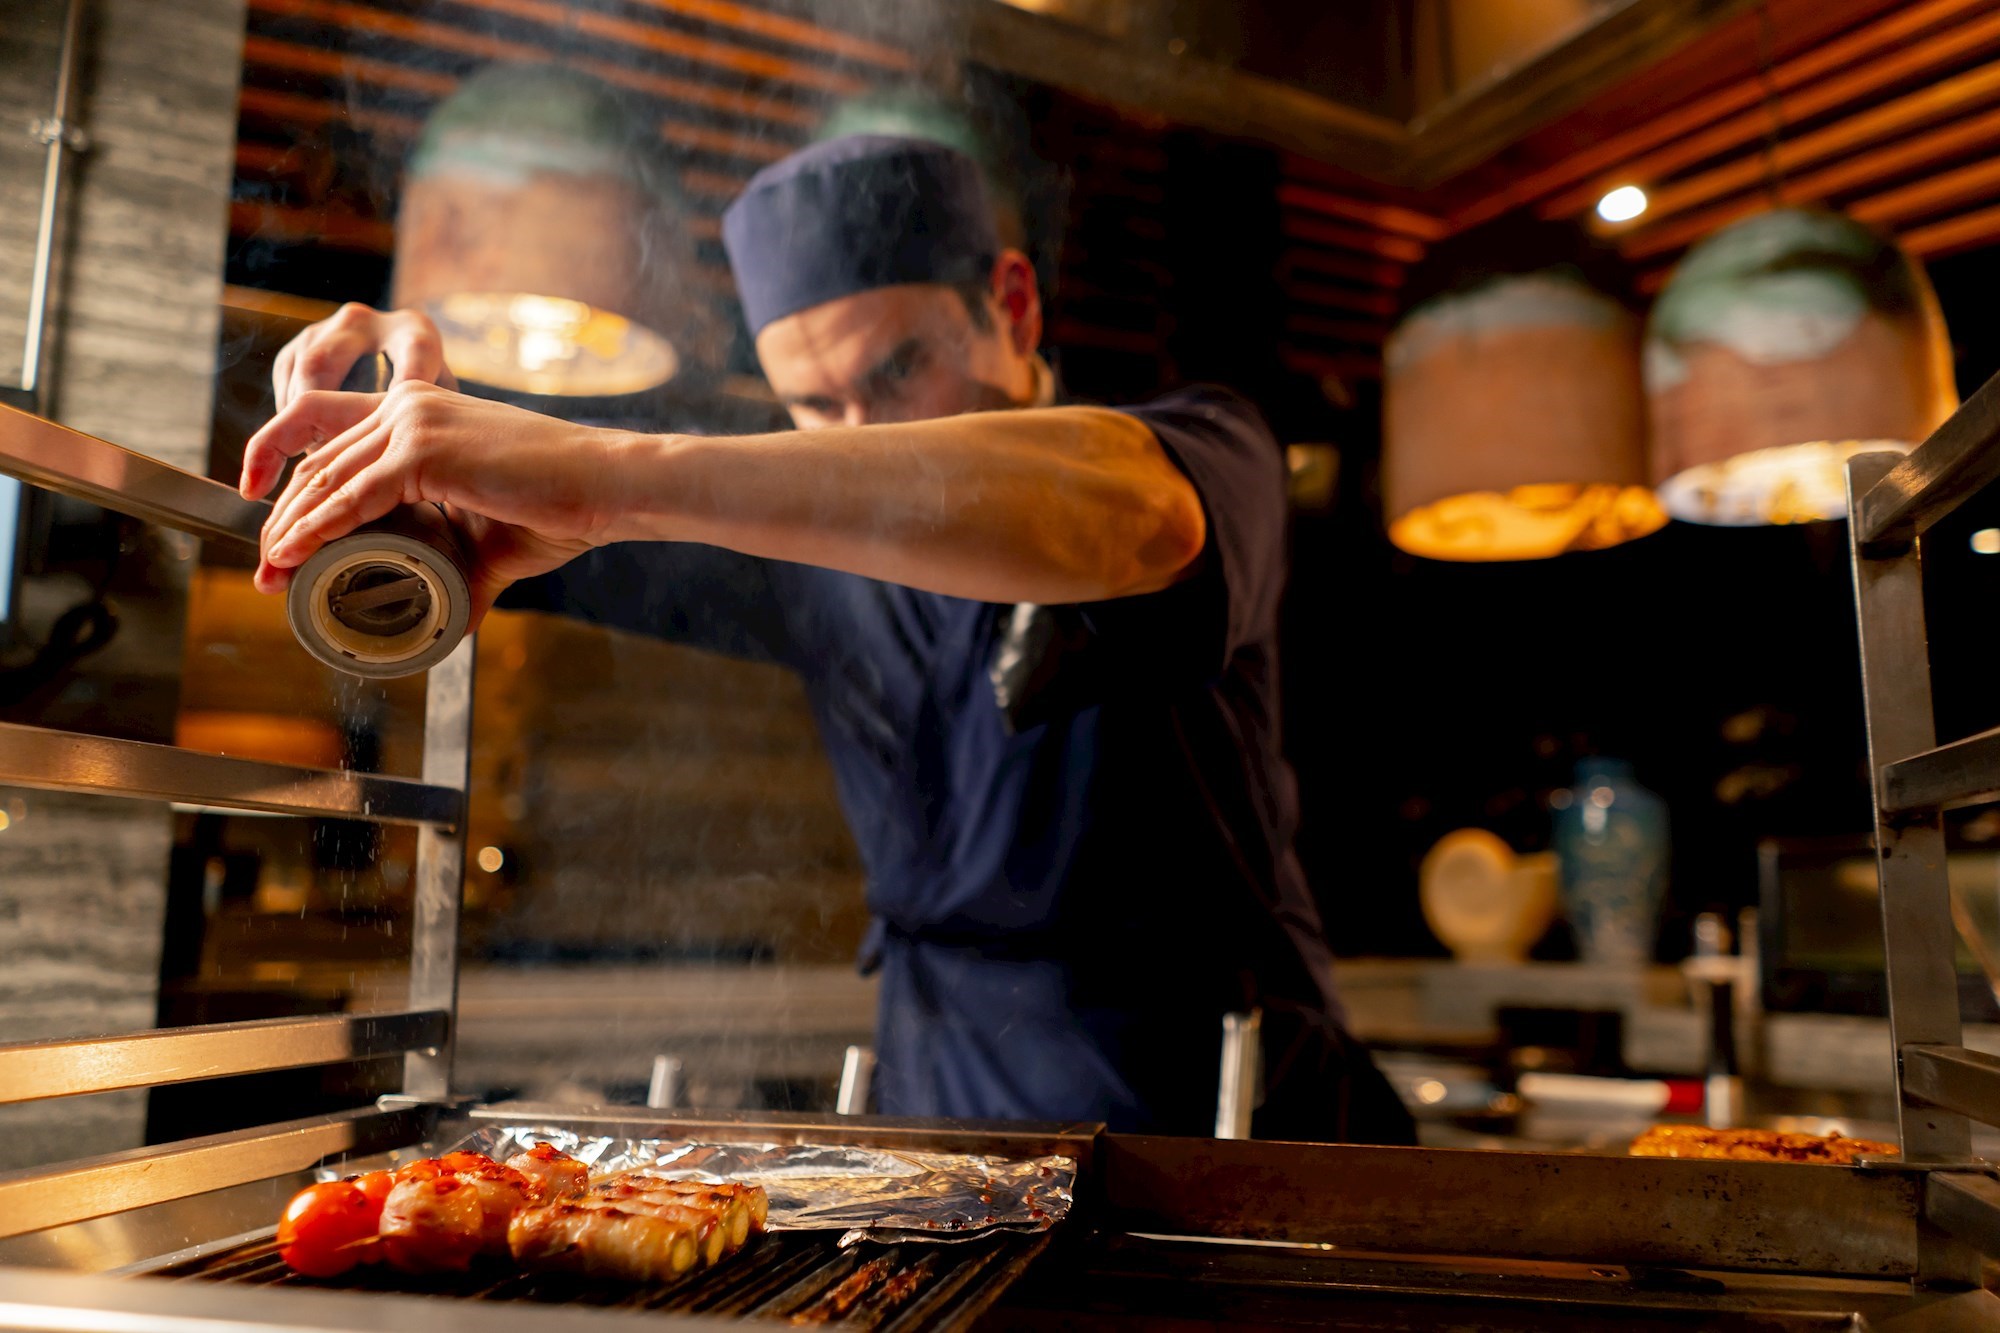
<point x="1794" y="483"/>
<point x="1528" y="522"/>
<point x="491" y="859"/>
<point x="1622" y="204"/>
<point x="550" y="345"/>
<point x="1986" y="541"/>
<point x="1430" y="1092"/>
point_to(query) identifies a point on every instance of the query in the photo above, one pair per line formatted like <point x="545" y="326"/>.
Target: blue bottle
<point x="1611" y="840"/>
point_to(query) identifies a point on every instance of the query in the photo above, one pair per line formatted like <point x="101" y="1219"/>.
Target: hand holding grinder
<point x="392" y="598"/>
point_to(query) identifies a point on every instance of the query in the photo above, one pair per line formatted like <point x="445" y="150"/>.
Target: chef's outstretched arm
<point x="1054" y="505"/>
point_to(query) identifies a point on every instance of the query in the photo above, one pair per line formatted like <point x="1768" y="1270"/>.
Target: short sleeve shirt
<point x="1099" y="785"/>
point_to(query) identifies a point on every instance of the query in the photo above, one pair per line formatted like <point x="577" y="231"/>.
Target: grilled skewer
<point x="639" y="1228"/>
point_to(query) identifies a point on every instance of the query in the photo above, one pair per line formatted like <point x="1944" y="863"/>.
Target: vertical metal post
<point x="1242" y="1074"/>
<point x="663" y="1093"/>
<point x="440" y="877"/>
<point x="61" y="135"/>
<point x="1917" y="935"/>
<point x="857" y="1077"/>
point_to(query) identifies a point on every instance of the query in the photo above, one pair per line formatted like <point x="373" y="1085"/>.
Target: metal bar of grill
<point x="1585" y="1209"/>
<point x="803" y="1277"/>
<point x="30" y="1071"/>
<point x="1955" y="1079"/>
<point x="1967" y="1206"/>
<point x="34" y="1199"/>
<point x="1956" y="462"/>
<point x="1964" y="772"/>
<point x="82" y="466"/>
<point x="103" y="765"/>
<point x="440" y="871"/>
<point x="1917" y="936"/>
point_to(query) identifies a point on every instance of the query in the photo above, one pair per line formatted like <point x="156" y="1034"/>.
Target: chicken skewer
<point x="639" y="1228"/>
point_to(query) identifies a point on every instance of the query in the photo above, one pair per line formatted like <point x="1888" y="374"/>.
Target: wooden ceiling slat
<point x="1954" y="96"/>
<point x="1974" y="183"/>
<point x="1844" y="177"/>
<point x="296" y="108"/>
<point x="281" y="305"/>
<point x="264" y="159"/>
<point x="333" y="228"/>
<point x="1371" y="272"/>
<point x="1965" y="232"/>
<point x="1346" y="365"/>
<point x="1315" y="295"/>
<point x="726" y="143"/>
<point x="714" y="184"/>
<point x="783" y="28"/>
<point x="1614" y="158"/>
<point x="1351" y="238"/>
<point x="1360" y="332"/>
<point x="679" y="45"/>
<point x="293" y="109"/>
<point x="1382" y="217"/>
<point x="440" y="36"/>
<point x="270" y="53"/>
<point x="1751" y="127"/>
<point x="1070" y="332"/>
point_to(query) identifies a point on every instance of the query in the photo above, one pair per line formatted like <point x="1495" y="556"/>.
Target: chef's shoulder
<point x="1228" y="601"/>
<point x="1204" y="426"/>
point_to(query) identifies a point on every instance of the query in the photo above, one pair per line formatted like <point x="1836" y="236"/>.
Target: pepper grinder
<point x="391" y="598"/>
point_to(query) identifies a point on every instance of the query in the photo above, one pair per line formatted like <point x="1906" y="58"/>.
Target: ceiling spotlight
<point x="1622" y="204"/>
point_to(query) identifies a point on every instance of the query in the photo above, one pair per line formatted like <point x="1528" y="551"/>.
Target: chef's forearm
<point x="1050" y="505"/>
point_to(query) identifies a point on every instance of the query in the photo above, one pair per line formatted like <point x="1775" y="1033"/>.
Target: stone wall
<point x="82" y="879"/>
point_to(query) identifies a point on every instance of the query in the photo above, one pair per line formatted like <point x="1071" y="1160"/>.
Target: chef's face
<point x="908" y="353"/>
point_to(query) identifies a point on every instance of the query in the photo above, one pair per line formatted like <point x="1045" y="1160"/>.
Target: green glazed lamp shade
<point x="541" y="229"/>
<point x="1781" y="346"/>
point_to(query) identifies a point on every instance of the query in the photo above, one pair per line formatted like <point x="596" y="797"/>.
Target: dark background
<point x="1423" y="697"/>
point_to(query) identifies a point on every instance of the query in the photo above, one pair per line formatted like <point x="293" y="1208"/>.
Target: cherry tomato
<point x="321" y="1228"/>
<point x="375" y="1187"/>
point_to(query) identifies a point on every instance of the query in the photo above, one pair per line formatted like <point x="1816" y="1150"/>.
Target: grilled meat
<point x="1755" y="1145"/>
<point x="639" y="1228"/>
<point x="555" y="1175"/>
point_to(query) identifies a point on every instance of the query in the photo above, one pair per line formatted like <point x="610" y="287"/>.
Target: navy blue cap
<point x="853" y="214"/>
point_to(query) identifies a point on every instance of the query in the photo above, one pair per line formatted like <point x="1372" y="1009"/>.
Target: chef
<point x="1039" y="639"/>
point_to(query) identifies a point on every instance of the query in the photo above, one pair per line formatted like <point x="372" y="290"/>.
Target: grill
<point x="792" y="1277"/>
<point x="1185" y="1231"/>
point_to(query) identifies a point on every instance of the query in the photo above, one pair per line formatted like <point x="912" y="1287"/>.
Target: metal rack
<point x="74" y="464"/>
<point x="1941" y="1086"/>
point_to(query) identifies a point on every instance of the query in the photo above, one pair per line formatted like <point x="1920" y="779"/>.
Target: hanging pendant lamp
<point x="1780" y="346"/>
<point x="1513" y="421"/>
<point x="541" y="228"/>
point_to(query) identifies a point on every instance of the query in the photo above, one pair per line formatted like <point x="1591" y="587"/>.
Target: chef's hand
<point x="529" y="493"/>
<point x="322" y="354"/>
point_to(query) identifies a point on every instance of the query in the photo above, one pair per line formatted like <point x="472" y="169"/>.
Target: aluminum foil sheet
<point x="867" y="1193"/>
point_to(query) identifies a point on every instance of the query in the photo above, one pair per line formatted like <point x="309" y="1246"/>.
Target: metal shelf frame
<point x="70" y="463"/>
<point x="1941" y="1086"/>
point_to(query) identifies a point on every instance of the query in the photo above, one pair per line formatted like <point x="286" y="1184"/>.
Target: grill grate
<point x="797" y="1277"/>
